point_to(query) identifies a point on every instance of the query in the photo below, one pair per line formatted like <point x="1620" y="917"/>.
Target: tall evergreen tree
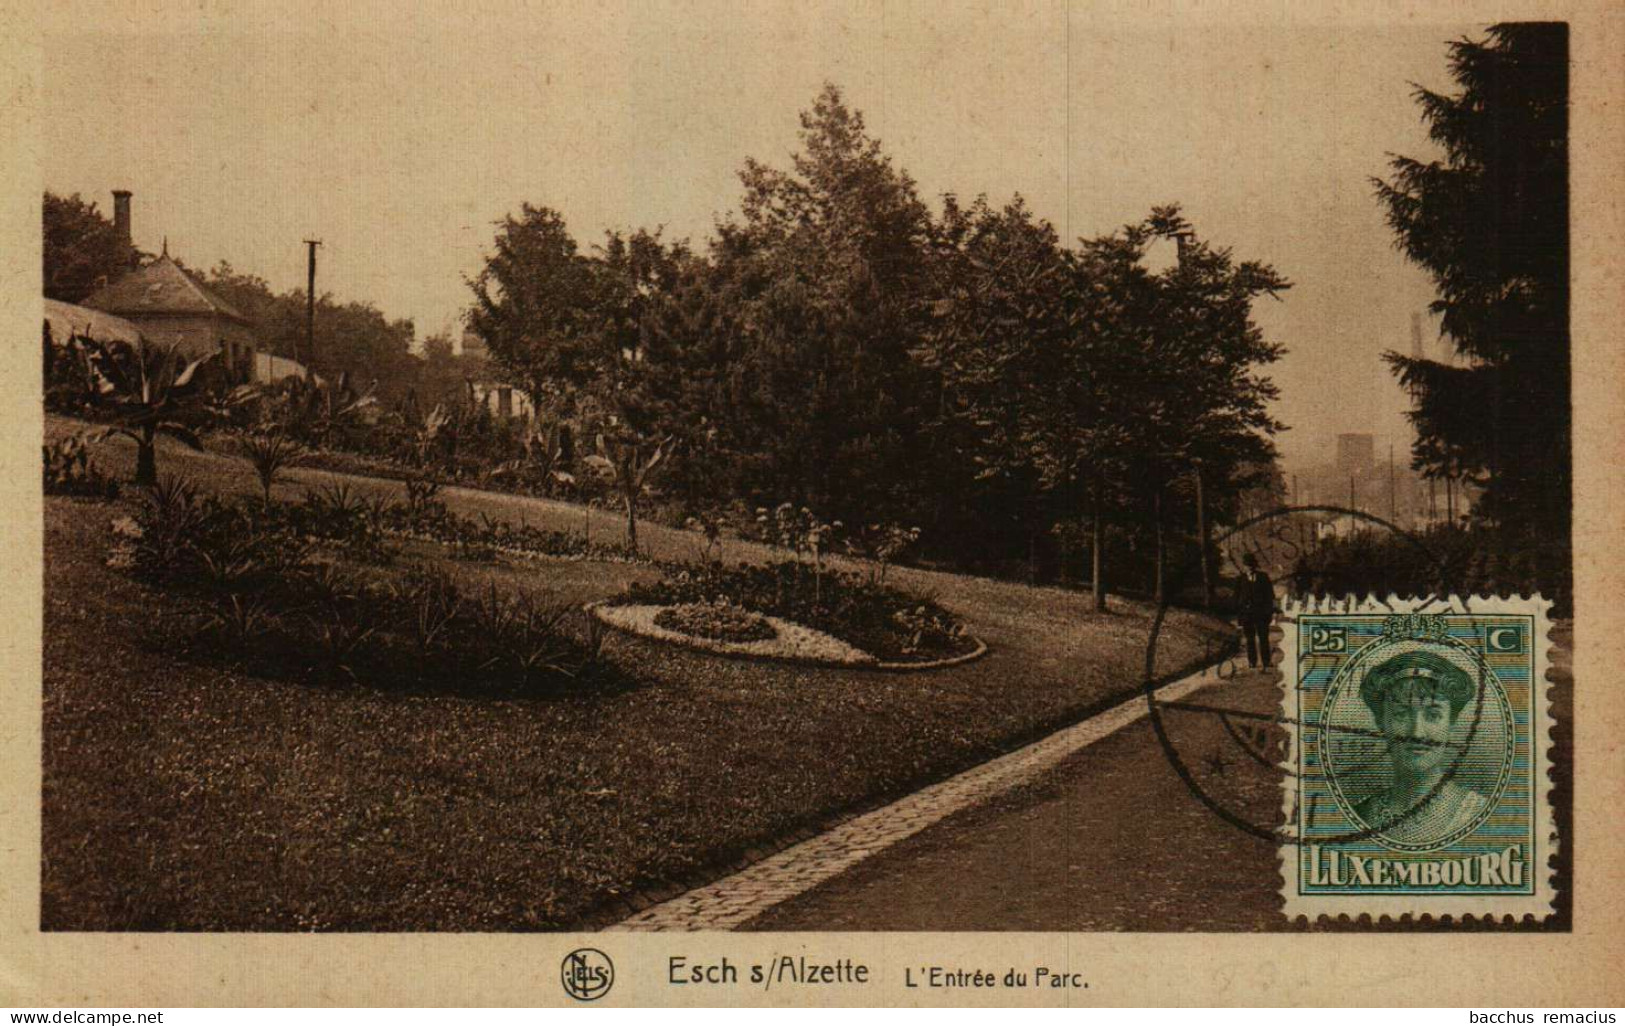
<point x="1490" y="224"/>
<point x="828" y="265"/>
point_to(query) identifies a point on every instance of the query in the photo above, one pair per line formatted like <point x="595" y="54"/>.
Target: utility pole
<point x="310" y="307"/>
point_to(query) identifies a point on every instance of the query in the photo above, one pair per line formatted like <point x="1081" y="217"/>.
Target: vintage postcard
<point x="720" y="502"/>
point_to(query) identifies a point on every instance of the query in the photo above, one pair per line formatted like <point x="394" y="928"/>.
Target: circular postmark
<point x="1361" y="748"/>
<point x="587" y="974"/>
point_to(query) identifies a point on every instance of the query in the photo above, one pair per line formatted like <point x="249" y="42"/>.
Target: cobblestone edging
<point x="734" y="900"/>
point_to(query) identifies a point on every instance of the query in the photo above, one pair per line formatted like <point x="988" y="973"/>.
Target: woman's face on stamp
<point x="1417" y="725"/>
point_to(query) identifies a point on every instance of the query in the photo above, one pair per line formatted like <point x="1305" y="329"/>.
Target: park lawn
<point x="180" y="795"/>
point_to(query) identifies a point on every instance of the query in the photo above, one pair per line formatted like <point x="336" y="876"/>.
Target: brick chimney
<point x="121" y="214"/>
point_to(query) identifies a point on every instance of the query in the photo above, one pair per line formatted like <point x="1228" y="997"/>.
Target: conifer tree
<point x="1489" y="222"/>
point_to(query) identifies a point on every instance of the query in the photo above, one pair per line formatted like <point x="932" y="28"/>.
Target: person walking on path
<point x="1257" y="612"/>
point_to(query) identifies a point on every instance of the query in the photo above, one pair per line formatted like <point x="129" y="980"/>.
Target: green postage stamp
<point x="1417" y="782"/>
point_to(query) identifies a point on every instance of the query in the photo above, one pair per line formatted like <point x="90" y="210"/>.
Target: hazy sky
<point x="398" y="139"/>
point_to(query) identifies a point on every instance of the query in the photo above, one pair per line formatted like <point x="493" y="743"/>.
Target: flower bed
<point x="718" y="621"/>
<point x="890" y="625"/>
<point x="261" y="595"/>
<point x="791" y="642"/>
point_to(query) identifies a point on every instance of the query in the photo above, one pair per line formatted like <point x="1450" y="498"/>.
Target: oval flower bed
<point x="795" y="612"/>
<point x="790" y="641"/>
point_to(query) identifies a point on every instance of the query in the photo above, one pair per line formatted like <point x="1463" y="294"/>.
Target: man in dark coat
<point x="1257" y="612"/>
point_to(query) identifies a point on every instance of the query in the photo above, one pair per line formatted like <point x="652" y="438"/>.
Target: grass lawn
<point x="179" y="795"/>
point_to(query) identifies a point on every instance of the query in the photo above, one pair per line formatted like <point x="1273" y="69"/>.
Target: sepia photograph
<point x="800" y="468"/>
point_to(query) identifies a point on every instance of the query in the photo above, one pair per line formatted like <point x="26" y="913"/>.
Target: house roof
<point x="67" y="320"/>
<point x="161" y="287"/>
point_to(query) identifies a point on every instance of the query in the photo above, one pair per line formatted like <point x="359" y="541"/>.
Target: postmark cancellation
<point x="1417" y="774"/>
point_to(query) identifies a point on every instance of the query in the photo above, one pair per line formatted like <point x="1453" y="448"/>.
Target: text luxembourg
<point x="1329" y="867"/>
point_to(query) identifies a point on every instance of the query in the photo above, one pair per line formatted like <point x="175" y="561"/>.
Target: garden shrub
<point x="69" y="471"/>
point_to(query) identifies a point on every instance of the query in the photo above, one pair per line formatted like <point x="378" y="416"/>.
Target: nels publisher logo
<point x="587" y="974"/>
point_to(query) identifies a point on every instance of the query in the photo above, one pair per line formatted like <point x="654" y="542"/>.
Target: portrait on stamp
<point x="1416" y="701"/>
<point x="1417" y="779"/>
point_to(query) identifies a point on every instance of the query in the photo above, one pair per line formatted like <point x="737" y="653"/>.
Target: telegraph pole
<point x="310" y="307"/>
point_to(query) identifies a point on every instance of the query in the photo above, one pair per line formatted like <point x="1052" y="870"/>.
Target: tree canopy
<point x="355" y="338"/>
<point x="838" y="345"/>
<point x="82" y="249"/>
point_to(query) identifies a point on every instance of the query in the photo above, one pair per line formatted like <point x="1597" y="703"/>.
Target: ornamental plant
<point x="629" y="461"/>
<point x="271" y="450"/>
<point x="802" y="532"/>
<point x="68" y="471"/>
<point x="881" y="545"/>
<point x="146" y="391"/>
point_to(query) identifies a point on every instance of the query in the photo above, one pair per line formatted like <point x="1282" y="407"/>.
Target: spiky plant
<point x="271" y="451"/>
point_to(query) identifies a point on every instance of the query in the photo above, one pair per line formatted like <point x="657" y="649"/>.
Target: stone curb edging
<point x="935" y="664"/>
<point x="758" y="884"/>
<point x="593" y="609"/>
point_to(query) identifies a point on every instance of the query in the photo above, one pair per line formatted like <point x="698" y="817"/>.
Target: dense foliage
<point x="840" y="346"/>
<point x="352" y="338"/>
<point x="82" y="250"/>
<point x="1446" y="560"/>
<point x="269" y="594"/>
<point x="1490" y="223"/>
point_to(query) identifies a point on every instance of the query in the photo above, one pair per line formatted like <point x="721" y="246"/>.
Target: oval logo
<point x="587" y="974"/>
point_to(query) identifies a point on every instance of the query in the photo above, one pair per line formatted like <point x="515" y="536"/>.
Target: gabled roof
<point x="161" y="287"/>
<point x="67" y="320"/>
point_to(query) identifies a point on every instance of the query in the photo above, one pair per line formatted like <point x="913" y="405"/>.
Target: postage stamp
<point x="1417" y="775"/>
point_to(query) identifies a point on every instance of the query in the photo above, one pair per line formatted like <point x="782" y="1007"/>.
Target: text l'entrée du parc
<point x="802" y="970"/>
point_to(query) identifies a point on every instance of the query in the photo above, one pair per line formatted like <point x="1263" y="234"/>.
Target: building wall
<point x="504" y="401"/>
<point x="199" y="334"/>
<point x="269" y="369"/>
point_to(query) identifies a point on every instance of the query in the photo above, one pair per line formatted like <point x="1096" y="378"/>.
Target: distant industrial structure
<point x="1358" y="477"/>
<point x="1356" y="454"/>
